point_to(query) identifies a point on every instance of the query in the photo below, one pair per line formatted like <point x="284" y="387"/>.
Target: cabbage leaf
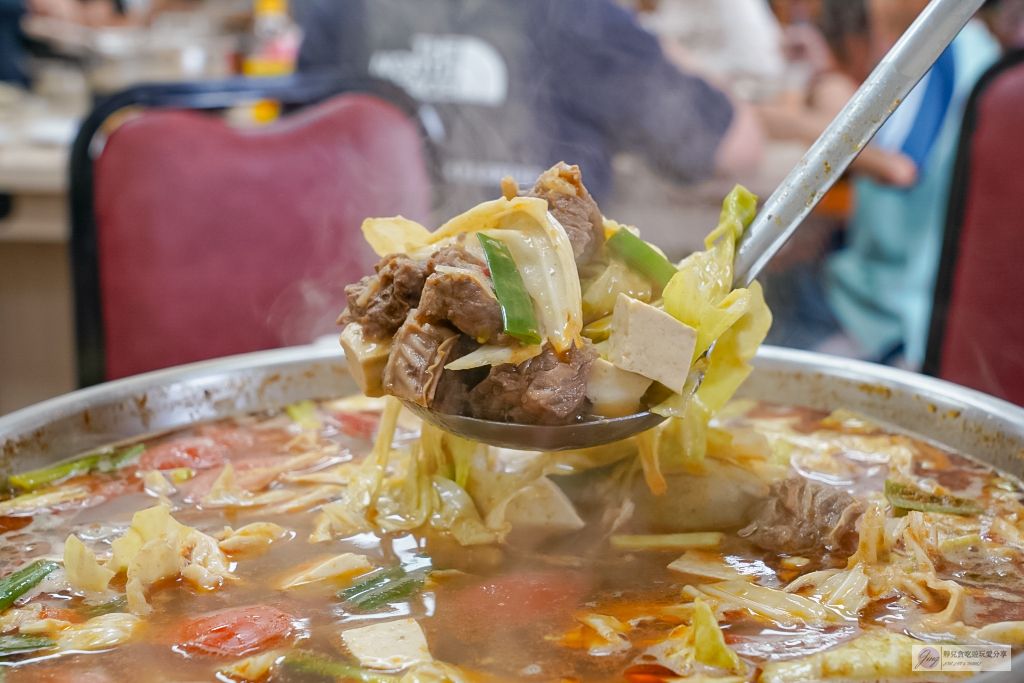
<point x="732" y="324"/>
<point x="490" y="354"/>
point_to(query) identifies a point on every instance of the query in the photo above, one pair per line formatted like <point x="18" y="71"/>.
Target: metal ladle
<point x="891" y="81"/>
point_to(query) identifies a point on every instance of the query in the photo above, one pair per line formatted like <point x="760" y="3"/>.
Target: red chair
<point x="977" y="330"/>
<point x="211" y="240"/>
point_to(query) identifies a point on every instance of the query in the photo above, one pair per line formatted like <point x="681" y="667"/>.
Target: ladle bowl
<point x="582" y="434"/>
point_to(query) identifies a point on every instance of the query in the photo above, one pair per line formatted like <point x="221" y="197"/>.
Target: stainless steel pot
<point x="963" y="419"/>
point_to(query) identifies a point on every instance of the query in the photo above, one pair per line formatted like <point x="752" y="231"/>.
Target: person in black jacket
<point x="12" y="50"/>
<point x="510" y="87"/>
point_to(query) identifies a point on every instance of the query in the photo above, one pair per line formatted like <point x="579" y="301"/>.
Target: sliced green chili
<point x="911" y="498"/>
<point x="30" y="481"/>
<point x="309" y="662"/>
<point x="22" y="581"/>
<point x="641" y="257"/>
<point x="517" y="309"/>
<point x="387" y="585"/>
<point x="121" y="459"/>
<point x="371" y="583"/>
<point x="19" y="644"/>
<point x="104" y="461"/>
<point x="118" y="604"/>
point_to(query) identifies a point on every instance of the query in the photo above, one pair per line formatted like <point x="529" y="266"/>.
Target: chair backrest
<point x="977" y="331"/>
<point x="210" y="240"/>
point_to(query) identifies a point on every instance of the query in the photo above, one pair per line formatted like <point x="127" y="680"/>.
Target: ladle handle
<point x="891" y="81"/>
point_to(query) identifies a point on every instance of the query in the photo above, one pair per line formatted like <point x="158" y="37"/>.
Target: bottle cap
<point x="271" y="6"/>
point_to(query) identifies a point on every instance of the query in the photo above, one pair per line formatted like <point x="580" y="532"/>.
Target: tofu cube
<point x="366" y="359"/>
<point x="613" y="391"/>
<point x="542" y="507"/>
<point x="650" y="342"/>
<point x="389" y="646"/>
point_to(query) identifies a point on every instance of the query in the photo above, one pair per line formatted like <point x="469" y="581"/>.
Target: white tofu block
<point x="650" y="342"/>
<point x="389" y="646"/>
<point x="542" y="506"/>
<point x="366" y="359"/>
<point x="613" y="391"/>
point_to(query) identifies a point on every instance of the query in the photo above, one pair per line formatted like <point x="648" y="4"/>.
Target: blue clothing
<point x="12" y="52"/>
<point x="514" y="86"/>
<point x="916" y="124"/>
<point x="882" y="284"/>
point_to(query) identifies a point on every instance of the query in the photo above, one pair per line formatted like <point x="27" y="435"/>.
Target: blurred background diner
<point x="185" y="179"/>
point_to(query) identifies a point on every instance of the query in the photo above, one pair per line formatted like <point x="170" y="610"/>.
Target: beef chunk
<point x="452" y="393"/>
<point x="543" y="390"/>
<point x="454" y="256"/>
<point x="800" y="515"/>
<point x="459" y="290"/>
<point x="573" y="207"/>
<point x="464" y="297"/>
<point x="418" y="354"/>
<point x="381" y="302"/>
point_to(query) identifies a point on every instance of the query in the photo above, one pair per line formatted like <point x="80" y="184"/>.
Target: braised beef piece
<point x="452" y="393"/>
<point x="800" y="515"/>
<point x="381" y="302"/>
<point x="464" y="297"/>
<point x="573" y="207"/>
<point x="455" y="255"/>
<point x="543" y="390"/>
<point x="418" y="354"/>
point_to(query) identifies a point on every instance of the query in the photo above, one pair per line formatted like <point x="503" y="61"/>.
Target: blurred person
<point x="1005" y="19"/>
<point x="12" y="50"/>
<point x="13" y="54"/>
<point x="511" y="87"/>
<point x="723" y="39"/>
<point x="879" y="287"/>
<point x="838" y="51"/>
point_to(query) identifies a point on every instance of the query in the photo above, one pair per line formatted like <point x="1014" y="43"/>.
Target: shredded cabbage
<point x="877" y="655"/>
<point x="708" y="642"/>
<point x="735" y="322"/>
<point x="549" y="274"/>
<point x="84" y="572"/>
<point x="394" y="235"/>
<point x="496" y="355"/>
<point x="617" y="278"/>
<point x="774" y="605"/>
<point x="100" y="633"/>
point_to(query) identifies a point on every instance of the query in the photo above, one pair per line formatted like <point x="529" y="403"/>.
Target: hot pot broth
<point x="547" y="588"/>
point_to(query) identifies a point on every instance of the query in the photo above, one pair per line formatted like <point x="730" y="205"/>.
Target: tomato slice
<point x="358" y="425"/>
<point x="234" y="632"/>
<point x="517" y="600"/>
<point x="198" y="453"/>
<point x="236" y="440"/>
